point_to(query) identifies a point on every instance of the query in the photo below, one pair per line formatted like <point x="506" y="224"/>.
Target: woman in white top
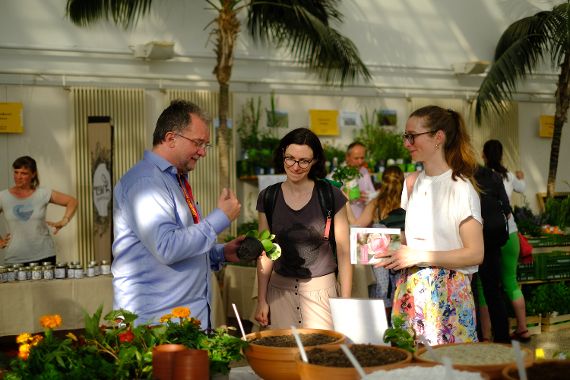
<point x="443" y="235"/>
<point x="493" y="156"/>
<point x="24" y="206"/>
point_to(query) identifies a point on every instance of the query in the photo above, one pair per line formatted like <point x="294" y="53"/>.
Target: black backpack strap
<point x="326" y="200"/>
<point x="269" y="201"/>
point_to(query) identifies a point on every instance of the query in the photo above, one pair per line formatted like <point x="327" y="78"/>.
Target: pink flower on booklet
<point x="375" y="244"/>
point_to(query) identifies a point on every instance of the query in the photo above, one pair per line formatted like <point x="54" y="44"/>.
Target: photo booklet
<point x="367" y="242"/>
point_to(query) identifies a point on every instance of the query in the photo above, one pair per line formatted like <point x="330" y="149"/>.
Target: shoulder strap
<point x="269" y="201"/>
<point x="326" y="200"/>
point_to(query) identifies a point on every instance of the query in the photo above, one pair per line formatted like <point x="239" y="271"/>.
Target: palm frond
<point x="522" y="46"/>
<point x="303" y="28"/>
<point x="125" y="13"/>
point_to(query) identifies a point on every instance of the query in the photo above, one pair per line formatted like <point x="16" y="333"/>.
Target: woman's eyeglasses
<point x="411" y="137"/>
<point x="303" y="164"/>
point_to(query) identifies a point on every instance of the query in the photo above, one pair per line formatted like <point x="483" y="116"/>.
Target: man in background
<point x="355" y="157"/>
<point x="164" y="248"/>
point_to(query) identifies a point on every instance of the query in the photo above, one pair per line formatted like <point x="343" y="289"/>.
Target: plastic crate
<point x="554" y="265"/>
<point x="551" y="240"/>
<point x="528" y="272"/>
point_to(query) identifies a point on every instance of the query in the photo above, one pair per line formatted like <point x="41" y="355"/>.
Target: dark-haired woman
<point x="295" y="289"/>
<point x="443" y="234"/>
<point x="493" y="157"/>
<point x="24" y="206"/>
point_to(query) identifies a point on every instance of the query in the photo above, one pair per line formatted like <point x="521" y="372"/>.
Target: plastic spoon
<point x="353" y="360"/>
<point x="300" y="344"/>
<point x="519" y="359"/>
<point x="239" y="322"/>
<point x="431" y="351"/>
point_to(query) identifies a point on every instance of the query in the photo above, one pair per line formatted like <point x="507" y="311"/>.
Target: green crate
<point x="554" y="265"/>
<point x="551" y="240"/>
<point x="528" y="272"/>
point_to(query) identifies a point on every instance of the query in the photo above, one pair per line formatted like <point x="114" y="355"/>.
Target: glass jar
<point x="2" y="274"/>
<point x="48" y="272"/>
<point x="22" y="274"/>
<point x="96" y="267"/>
<point x="10" y="275"/>
<point x="60" y="271"/>
<point x="105" y="267"/>
<point x="91" y="270"/>
<point x="78" y="272"/>
<point x="37" y="272"/>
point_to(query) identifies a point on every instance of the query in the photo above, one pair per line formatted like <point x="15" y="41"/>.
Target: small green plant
<point x="398" y="335"/>
<point x="272" y="250"/>
<point x="345" y="173"/>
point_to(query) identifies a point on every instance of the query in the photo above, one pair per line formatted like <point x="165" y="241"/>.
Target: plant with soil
<point x="255" y="243"/>
<point x="289" y="340"/>
<point x="368" y="355"/>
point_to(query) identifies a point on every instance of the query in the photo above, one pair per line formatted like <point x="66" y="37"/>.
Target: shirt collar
<point x="160" y="162"/>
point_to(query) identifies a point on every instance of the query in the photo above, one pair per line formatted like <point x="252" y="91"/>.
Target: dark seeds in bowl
<point x="289" y="340"/>
<point x="367" y="355"/>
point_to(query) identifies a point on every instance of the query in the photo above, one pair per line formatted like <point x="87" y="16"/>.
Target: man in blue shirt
<point x="164" y="248"/>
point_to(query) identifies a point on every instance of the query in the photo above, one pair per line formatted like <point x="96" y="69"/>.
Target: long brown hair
<point x="390" y="191"/>
<point x="458" y="151"/>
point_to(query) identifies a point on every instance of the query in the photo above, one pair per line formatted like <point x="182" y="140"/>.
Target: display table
<point x="23" y="303"/>
<point x="239" y="286"/>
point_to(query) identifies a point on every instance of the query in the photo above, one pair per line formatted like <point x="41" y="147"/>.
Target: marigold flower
<point x="165" y="318"/>
<point x="50" y="321"/>
<point x="24" y="351"/>
<point x="23" y="338"/>
<point x="36" y="339"/>
<point x="71" y="336"/>
<point x="181" y="312"/>
<point x="126" y="336"/>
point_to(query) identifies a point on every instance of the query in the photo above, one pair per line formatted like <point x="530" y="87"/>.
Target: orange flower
<point x="24" y="351"/>
<point x="181" y="312"/>
<point x="36" y="339"/>
<point x="50" y="321"/>
<point x="165" y="318"/>
<point x="23" y="338"/>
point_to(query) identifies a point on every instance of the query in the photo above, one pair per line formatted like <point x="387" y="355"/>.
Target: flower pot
<point x="543" y="369"/>
<point x="250" y="249"/>
<point x="278" y="363"/>
<point x="163" y="356"/>
<point x="191" y="364"/>
<point x="310" y="371"/>
<point x="489" y="358"/>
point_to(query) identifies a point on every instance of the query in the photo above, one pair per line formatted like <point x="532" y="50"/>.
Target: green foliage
<point x="398" y="335"/>
<point x="527" y="222"/>
<point x="332" y="152"/>
<point x="548" y="298"/>
<point x="557" y="212"/>
<point x="381" y="142"/>
<point x="345" y="173"/>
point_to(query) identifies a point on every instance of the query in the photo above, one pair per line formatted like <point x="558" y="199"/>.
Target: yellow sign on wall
<point x="324" y="122"/>
<point x="546" y="126"/>
<point x="11" y="118"/>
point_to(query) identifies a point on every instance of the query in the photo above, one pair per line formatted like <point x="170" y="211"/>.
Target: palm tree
<point x="525" y="44"/>
<point x="300" y="26"/>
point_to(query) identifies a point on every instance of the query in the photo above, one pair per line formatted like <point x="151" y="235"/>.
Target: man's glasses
<point x="199" y="144"/>
<point x="411" y="137"/>
<point x="303" y="164"/>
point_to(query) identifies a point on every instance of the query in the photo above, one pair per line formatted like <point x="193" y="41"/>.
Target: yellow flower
<point x="181" y="312"/>
<point x="71" y="336"/>
<point x="24" y="351"/>
<point x="165" y="318"/>
<point x="50" y="321"/>
<point x="36" y="339"/>
<point x="23" y="338"/>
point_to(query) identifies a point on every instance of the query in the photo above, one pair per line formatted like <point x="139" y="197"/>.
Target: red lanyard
<point x="187" y="191"/>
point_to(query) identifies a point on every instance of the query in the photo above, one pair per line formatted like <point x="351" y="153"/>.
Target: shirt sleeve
<point x="150" y="209"/>
<point x="519" y="185"/>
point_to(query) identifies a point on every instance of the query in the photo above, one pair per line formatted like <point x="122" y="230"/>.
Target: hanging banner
<point x="100" y="137"/>
<point x="546" y="126"/>
<point x="11" y="118"/>
<point x="324" y="122"/>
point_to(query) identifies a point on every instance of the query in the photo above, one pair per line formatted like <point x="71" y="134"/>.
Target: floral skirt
<point x="436" y="303"/>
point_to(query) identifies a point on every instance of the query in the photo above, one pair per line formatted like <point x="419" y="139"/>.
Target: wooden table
<point x="22" y="303"/>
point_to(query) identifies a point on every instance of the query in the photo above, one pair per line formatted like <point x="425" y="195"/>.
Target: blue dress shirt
<point x="161" y="259"/>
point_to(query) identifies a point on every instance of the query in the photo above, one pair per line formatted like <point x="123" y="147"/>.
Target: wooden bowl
<point x="278" y="363"/>
<point x="309" y="371"/>
<point x="538" y="370"/>
<point x="389" y="372"/>
<point x="471" y="356"/>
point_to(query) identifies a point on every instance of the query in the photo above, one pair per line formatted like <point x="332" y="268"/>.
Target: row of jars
<point x="47" y="271"/>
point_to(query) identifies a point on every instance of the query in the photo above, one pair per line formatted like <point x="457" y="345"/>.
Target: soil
<point x="289" y="340"/>
<point x="367" y="355"/>
<point x="250" y="249"/>
<point x="545" y="371"/>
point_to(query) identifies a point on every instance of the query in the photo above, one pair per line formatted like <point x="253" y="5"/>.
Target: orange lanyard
<point x="187" y="191"/>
